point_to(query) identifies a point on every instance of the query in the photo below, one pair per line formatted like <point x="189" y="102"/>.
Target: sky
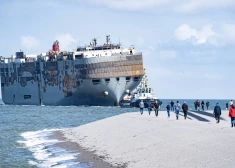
<point x="188" y="46"/>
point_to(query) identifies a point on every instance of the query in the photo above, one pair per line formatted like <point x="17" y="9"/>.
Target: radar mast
<point x="107" y="39"/>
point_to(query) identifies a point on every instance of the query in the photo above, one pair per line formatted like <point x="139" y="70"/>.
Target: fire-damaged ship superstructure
<point x="92" y="75"/>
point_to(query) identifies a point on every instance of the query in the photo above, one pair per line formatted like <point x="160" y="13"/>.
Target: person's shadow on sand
<point x="193" y="114"/>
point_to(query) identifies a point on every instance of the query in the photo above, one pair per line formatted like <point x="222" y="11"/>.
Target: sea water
<point x="25" y="132"/>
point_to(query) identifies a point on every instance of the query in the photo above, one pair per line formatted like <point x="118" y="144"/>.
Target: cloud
<point x="224" y="35"/>
<point x="66" y="41"/>
<point x="166" y="5"/>
<point x="29" y="42"/>
<point x="185" y="32"/>
<point x="197" y="5"/>
<point x="130" y="4"/>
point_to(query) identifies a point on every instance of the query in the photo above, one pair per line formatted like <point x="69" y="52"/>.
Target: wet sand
<point x="136" y="141"/>
<point x="85" y="157"/>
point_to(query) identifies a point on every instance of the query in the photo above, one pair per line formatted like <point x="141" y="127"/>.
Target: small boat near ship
<point x="142" y="92"/>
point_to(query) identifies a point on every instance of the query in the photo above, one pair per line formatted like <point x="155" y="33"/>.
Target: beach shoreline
<point x="85" y="157"/>
<point x="132" y="140"/>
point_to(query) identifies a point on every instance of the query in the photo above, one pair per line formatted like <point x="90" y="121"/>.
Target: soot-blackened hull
<point x="100" y="81"/>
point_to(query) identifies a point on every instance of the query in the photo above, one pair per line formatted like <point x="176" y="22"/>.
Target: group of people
<point x="197" y="105"/>
<point x="177" y="107"/>
<point x="156" y="107"/>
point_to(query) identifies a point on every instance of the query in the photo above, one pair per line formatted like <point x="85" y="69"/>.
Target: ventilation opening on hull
<point x="136" y="79"/>
<point x="27" y="96"/>
<point x="117" y="79"/>
<point x="95" y="81"/>
<point x="128" y="79"/>
<point x="107" y="80"/>
<point x="2" y="84"/>
<point x="79" y="56"/>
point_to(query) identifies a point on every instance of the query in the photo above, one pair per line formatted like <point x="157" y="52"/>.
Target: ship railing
<point x="99" y="47"/>
<point x="135" y="54"/>
<point x="138" y="53"/>
<point x="126" y="54"/>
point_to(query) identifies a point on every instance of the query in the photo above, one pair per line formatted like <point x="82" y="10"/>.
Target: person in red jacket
<point x="232" y="115"/>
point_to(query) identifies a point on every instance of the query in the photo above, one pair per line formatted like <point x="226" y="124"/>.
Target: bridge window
<point x="147" y="90"/>
<point x="143" y="90"/>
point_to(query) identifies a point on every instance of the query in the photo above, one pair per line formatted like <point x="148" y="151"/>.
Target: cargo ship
<point x="93" y="75"/>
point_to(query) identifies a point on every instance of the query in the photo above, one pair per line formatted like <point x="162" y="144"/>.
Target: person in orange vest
<point x="232" y="115"/>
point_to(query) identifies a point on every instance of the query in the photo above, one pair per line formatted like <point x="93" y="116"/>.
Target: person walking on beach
<point x="207" y="104"/>
<point x="172" y="106"/>
<point x="141" y="104"/>
<point x="168" y="108"/>
<point x="156" y="107"/>
<point x="185" y="109"/>
<point x="177" y="109"/>
<point x="149" y="106"/>
<point x="232" y="115"/>
<point x="202" y="104"/>
<point x="198" y="105"/>
<point x="227" y="106"/>
<point x="217" y="112"/>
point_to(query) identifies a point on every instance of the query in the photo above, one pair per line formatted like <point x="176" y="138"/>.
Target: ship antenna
<point x="107" y="39"/>
<point x="95" y="41"/>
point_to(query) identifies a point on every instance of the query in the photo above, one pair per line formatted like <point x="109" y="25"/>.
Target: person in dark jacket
<point x="207" y="104"/>
<point x="227" y="106"/>
<point x="168" y="108"/>
<point x="203" y="105"/>
<point x="149" y="106"/>
<point x="156" y="107"/>
<point x="172" y="106"/>
<point x="217" y="112"/>
<point x="185" y="109"/>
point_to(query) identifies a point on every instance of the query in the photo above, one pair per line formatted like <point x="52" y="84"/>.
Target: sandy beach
<point x="138" y="141"/>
